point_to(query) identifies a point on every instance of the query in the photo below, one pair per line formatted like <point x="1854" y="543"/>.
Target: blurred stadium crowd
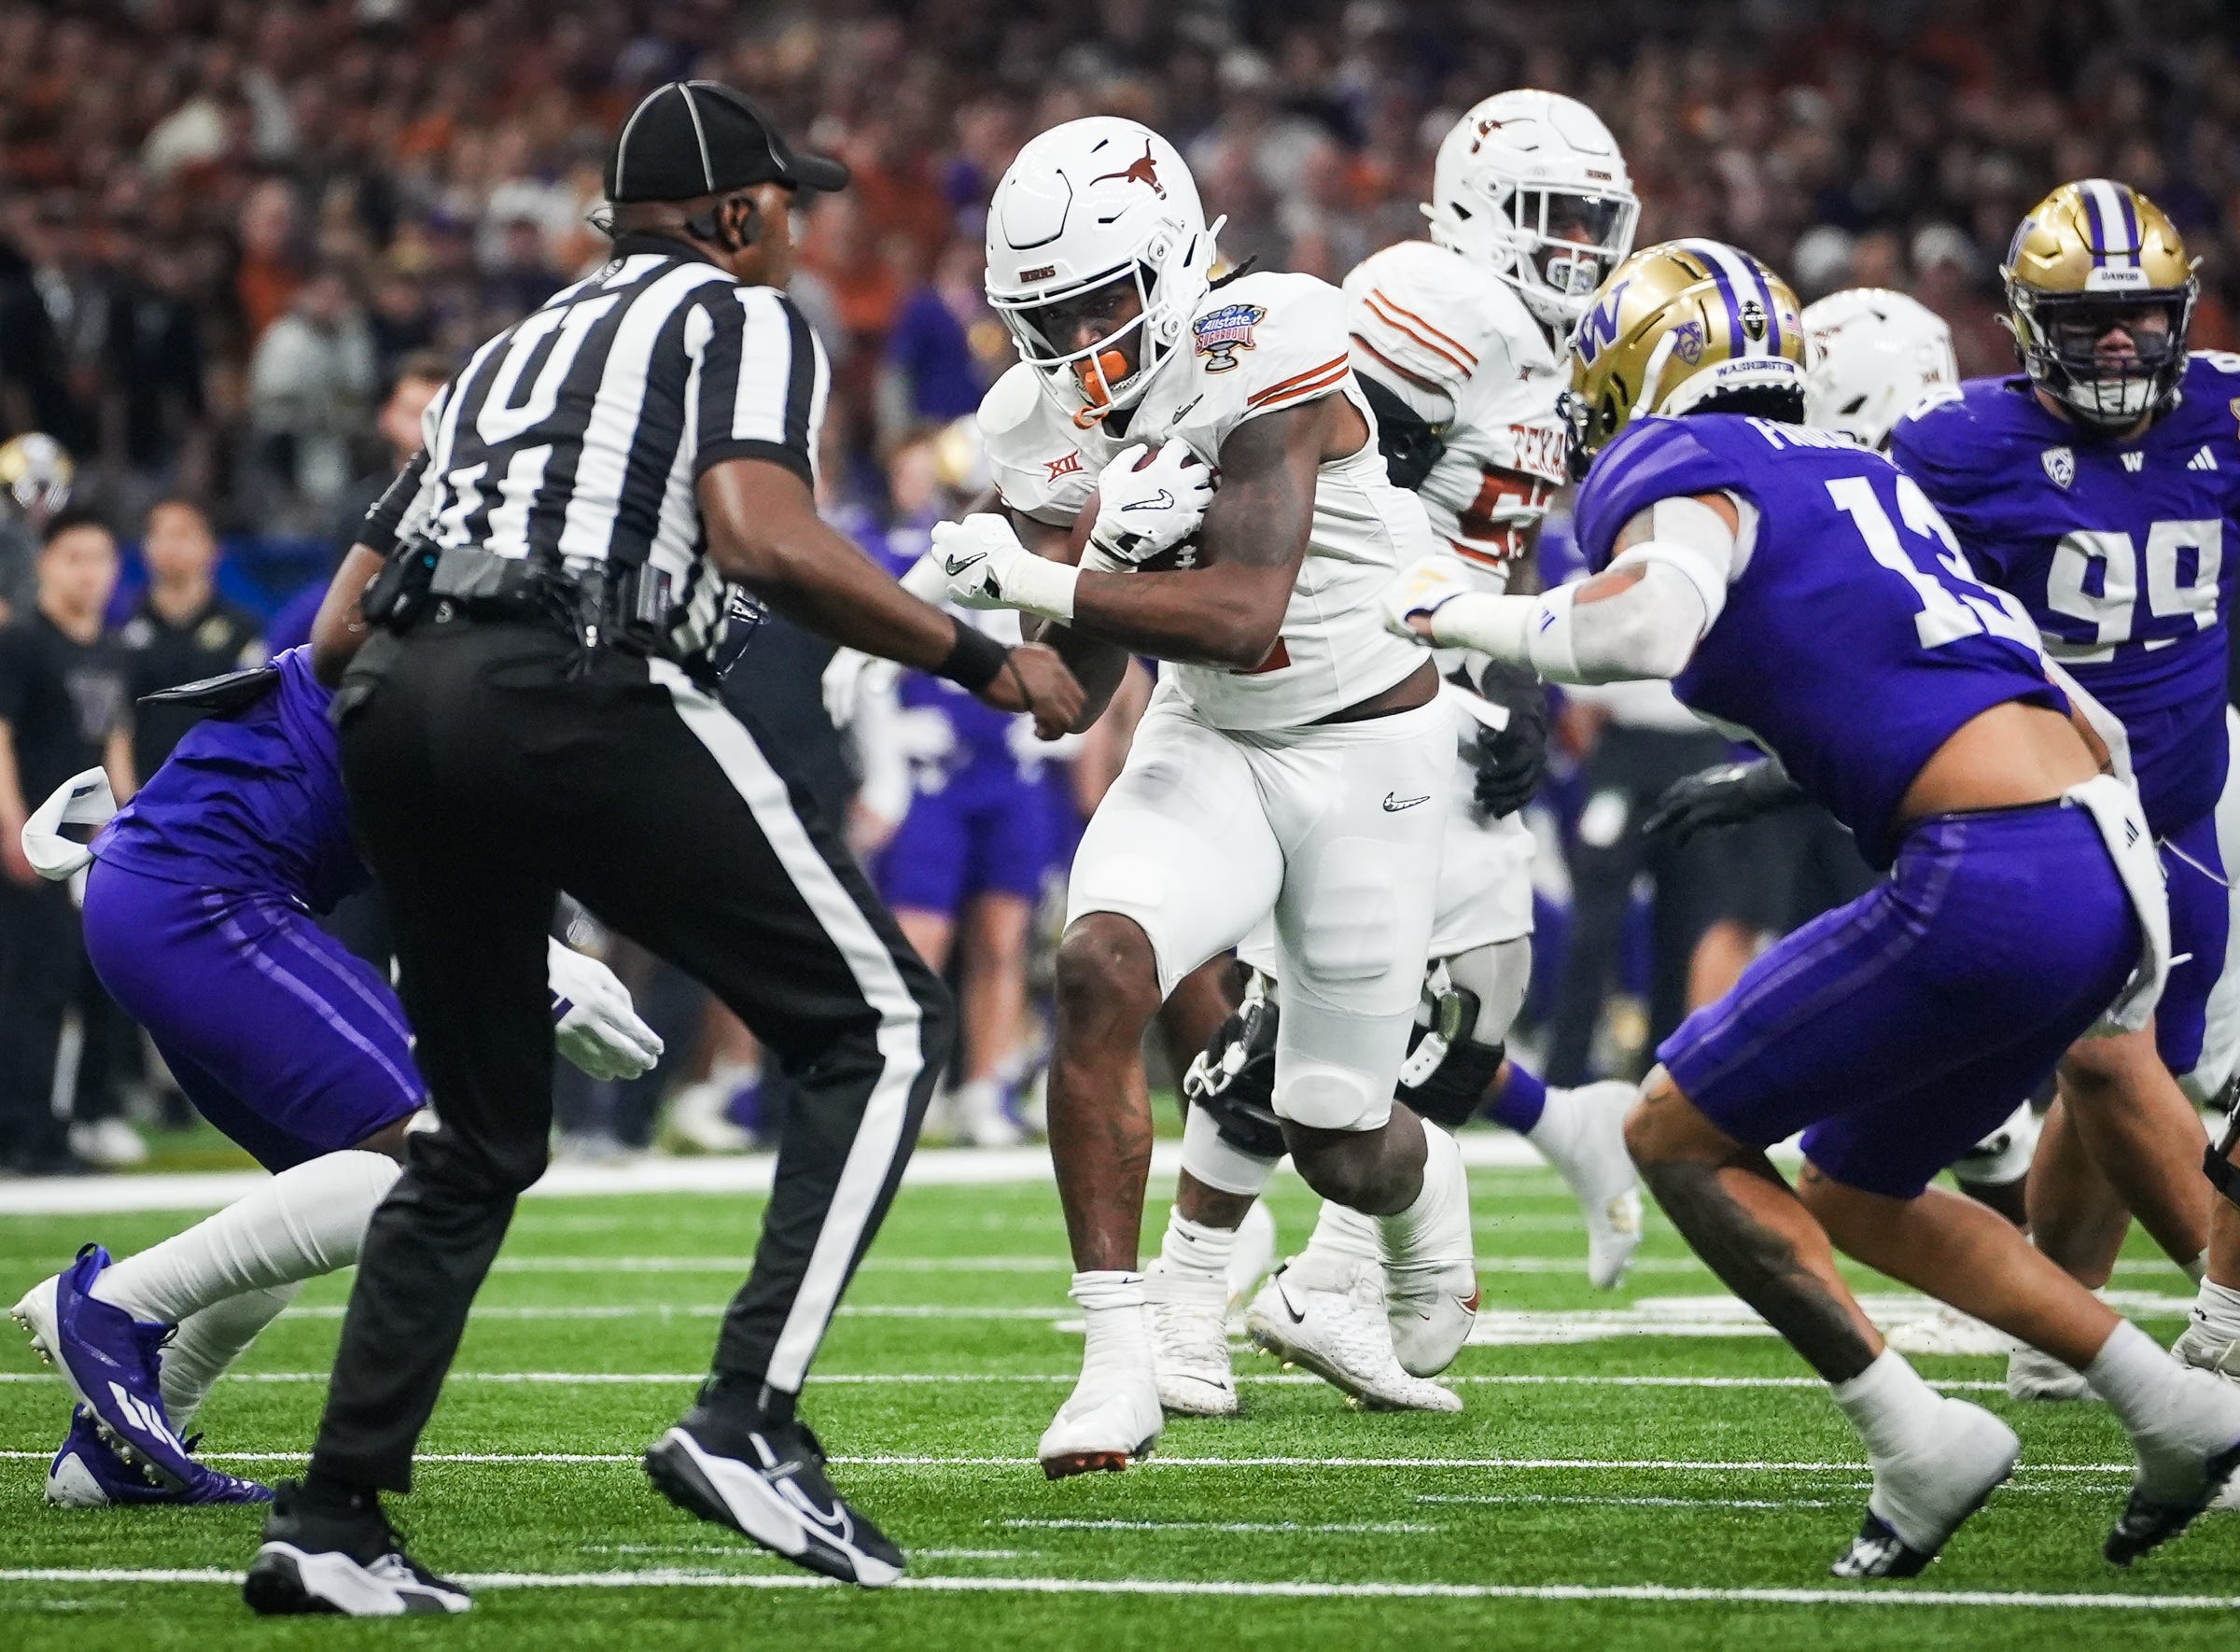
<point x="241" y="240"/>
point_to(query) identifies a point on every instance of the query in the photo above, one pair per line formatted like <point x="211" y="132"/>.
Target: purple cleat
<point x="109" y="1361"/>
<point x="88" y="1473"/>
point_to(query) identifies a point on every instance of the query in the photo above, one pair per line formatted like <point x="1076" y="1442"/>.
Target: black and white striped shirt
<point x="575" y="436"/>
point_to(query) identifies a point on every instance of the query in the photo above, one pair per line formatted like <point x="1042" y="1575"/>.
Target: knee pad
<point x="1449" y="1093"/>
<point x="1324" y="1096"/>
<point x="1234" y="1077"/>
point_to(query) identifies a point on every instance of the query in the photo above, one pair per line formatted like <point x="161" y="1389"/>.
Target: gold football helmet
<point x="1676" y="326"/>
<point x="2095" y="261"/>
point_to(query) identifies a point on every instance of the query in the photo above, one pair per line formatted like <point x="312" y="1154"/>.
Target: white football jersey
<point x="1461" y="350"/>
<point x="1261" y="342"/>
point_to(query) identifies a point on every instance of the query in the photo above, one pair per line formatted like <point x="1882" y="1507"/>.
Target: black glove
<point x="1728" y="795"/>
<point x="1509" y="764"/>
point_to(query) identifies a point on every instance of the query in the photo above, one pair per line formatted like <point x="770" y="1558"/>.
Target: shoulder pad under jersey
<point x="1035" y="458"/>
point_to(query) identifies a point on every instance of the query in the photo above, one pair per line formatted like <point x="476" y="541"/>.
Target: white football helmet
<point x="1875" y="353"/>
<point x="1531" y="185"/>
<point x="1095" y="232"/>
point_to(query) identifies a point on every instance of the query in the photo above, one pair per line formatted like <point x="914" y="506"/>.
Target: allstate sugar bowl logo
<point x="1221" y="333"/>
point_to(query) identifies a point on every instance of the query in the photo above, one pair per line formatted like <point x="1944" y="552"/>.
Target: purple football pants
<point x="281" y="1037"/>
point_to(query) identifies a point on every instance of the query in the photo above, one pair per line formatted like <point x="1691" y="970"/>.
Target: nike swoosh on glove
<point x="977" y="552"/>
<point x="594" y="1025"/>
<point x="1148" y="503"/>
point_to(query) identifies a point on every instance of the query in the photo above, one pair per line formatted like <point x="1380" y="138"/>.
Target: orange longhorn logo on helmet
<point x="1145" y="171"/>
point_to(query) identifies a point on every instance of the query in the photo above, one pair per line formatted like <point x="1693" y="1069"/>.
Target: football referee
<point x="534" y="710"/>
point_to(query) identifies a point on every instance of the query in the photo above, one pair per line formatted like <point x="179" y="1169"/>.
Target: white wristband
<point x="1548" y="641"/>
<point x="1496" y="625"/>
<point x="1034" y="585"/>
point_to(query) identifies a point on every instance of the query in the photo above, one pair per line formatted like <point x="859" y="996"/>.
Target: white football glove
<point x="1421" y="590"/>
<point x="595" y="1024"/>
<point x="988" y="568"/>
<point x="1146" y="509"/>
<point x="83" y="799"/>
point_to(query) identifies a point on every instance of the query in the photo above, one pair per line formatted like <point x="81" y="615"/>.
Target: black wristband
<point x="972" y="660"/>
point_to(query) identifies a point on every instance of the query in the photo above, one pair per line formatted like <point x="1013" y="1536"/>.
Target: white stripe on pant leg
<point x="879" y="1135"/>
<point x="2221" y="1031"/>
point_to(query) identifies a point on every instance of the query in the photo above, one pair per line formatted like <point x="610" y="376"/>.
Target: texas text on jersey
<point x="1468" y="359"/>
<point x="1258" y="344"/>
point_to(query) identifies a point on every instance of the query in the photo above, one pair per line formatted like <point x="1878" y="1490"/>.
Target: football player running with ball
<point x="1784" y="577"/>
<point x="1295" y="758"/>
<point x="1457" y="342"/>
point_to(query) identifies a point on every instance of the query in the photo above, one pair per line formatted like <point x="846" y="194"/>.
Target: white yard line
<point x="966" y="1378"/>
<point x="934" y="1167"/>
<point x="1291" y="1526"/>
<point x="1643" y="1501"/>
<point x="1646" y="1592"/>
<point x="931" y="1460"/>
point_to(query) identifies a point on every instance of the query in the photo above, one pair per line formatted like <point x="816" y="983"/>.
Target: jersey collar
<point x="651" y="241"/>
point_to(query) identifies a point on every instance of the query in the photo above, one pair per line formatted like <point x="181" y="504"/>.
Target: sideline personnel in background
<point x="536" y="710"/>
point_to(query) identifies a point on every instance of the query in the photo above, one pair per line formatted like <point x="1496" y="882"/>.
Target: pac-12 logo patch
<point x="2061" y="465"/>
<point x="1221" y="333"/>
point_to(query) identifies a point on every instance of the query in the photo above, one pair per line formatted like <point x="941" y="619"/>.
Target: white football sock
<point x="209" y="1342"/>
<point x="1434" y="1230"/>
<point x="1115" y="1339"/>
<point x="1892" y="1407"/>
<point x="1221" y="1165"/>
<point x="1341" y="1238"/>
<point x="1195" y="1250"/>
<point x="2216" y="1311"/>
<point x="306" y="1220"/>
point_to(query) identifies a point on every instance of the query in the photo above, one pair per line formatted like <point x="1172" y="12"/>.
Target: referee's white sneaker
<point x="345" y="1559"/>
<point x="765" y="1480"/>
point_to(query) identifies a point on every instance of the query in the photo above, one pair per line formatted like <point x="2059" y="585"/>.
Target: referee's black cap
<point x="690" y="138"/>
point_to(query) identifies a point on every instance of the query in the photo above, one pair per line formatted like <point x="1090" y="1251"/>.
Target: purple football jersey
<point x="253" y="801"/>
<point x="1856" y="640"/>
<point x="2115" y="547"/>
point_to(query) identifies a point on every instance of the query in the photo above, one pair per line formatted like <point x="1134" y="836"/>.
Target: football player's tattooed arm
<point x="1230" y="612"/>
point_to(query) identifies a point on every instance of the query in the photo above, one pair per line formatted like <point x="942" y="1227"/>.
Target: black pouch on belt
<point x="397" y="596"/>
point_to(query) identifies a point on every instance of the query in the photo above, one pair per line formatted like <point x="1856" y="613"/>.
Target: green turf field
<point x="1604" y="1488"/>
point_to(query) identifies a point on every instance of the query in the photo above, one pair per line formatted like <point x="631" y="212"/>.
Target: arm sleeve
<point x="759" y="384"/>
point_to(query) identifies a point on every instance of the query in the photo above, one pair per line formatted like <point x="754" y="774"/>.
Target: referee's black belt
<point x="621" y="607"/>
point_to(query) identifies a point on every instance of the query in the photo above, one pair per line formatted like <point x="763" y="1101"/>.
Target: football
<point x="1185" y="556"/>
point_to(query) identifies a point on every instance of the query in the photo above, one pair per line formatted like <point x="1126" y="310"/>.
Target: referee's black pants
<point x="494" y="764"/>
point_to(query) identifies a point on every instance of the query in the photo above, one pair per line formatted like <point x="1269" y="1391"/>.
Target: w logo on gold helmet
<point x="2099" y="295"/>
<point x="1677" y="326"/>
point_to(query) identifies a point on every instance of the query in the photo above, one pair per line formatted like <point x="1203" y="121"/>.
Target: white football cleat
<point x="2206" y="1352"/>
<point x="1109" y="1422"/>
<point x="1430" y="1264"/>
<point x="1254" y="1257"/>
<point x="2035" y="1376"/>
<point x="1920" y="1499"/>
<point x="1591" y="1155"/>
<point x="1329" y="1318"/>
<point x="1950" y="1331"/>
<point x="1188" y="1322"/>
<point x="2187" y="1461"/>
